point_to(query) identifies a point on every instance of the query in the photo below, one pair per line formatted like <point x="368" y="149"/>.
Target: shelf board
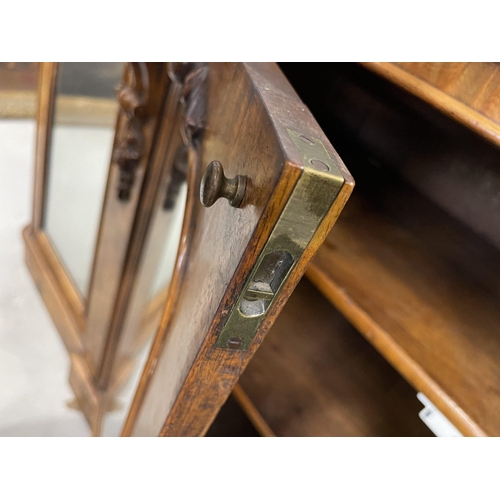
<point x="425" y="292"/>
<point x="467" y="92"/>
<point x="314" y="375"/>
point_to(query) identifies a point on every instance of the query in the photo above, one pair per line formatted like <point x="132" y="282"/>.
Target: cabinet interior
<point x="412" y="265"/>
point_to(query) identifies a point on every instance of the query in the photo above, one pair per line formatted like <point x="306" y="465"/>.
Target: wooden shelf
<point x="314" y="375"/>
<point x="425" y="292"/>
<point x="467" y="92"/>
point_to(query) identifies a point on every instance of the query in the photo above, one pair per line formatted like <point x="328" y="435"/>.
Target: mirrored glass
<point x="150" y="294"/>
<point x="81" y="144"/>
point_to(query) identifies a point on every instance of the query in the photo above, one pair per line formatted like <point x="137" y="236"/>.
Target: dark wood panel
<point x="370" y="118"/>
<point x="315" y="375"/>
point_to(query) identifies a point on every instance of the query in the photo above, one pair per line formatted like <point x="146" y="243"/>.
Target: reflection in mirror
<point x="81" y="142"/>
<point x="167" y="262"/>
<point x="171" y="217"/>
<point x="155" y="273"/>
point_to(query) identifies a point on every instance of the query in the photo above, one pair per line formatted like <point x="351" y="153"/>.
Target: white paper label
<point x="435" y="420"/>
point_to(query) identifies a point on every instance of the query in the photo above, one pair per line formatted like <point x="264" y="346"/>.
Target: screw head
<point x="234" y="342"/>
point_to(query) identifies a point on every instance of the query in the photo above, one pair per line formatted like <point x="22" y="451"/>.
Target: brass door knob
<point x="215" y="185"/>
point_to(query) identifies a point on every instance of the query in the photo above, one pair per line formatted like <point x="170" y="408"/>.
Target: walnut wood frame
<point x="90" y="328"/>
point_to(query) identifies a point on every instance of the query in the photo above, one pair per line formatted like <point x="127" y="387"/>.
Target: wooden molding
<point x="53" y="294"/>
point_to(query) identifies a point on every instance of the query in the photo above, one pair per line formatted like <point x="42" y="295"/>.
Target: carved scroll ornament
<point x="129" y="146"/>
<point x="192" y="77"/>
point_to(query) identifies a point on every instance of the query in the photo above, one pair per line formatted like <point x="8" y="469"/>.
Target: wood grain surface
<point x="187" y="379"/>
<point x="420" y="282"/>
<point x="314" y="375"/>
<point x="372" y="120"/>
<point x="467" y="92"/>
<point x="424" y="290"/>
<point x="138" y="273"/>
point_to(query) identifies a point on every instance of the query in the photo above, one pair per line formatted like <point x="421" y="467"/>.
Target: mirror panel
<point x="148" y="301"/>
<point x="172" y="219"/>
<point x="81" y="143"/>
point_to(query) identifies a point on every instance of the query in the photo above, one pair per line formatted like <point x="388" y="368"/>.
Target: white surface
<point x="34" y="365"/>
<point x="79" y="165"/>
<point x="435" y="420"/>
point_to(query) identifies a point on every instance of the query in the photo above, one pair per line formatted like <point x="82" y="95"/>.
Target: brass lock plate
<point x="311" y="199"/>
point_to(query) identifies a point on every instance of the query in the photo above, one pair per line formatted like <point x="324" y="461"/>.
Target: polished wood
<point x="121" y="220"/>
<point x="314" y="375"/>
<point x="417" y="278"/>
<point x="467" y="92"/>
<point x="147" y="242"/>
<point x="88" y="397"/>
<point x="64" y="281"/>
<point x="187" y="379"/>
<point x="47" y="281"/>
<point x="424" y="290"/>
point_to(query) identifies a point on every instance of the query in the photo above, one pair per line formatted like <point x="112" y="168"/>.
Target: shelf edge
<point x="457" y="110"/>
<point x="393" y="353"/>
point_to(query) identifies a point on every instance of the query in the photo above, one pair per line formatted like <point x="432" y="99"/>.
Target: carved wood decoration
<point x="130" y="141"/>
<point x="131" y="180"/>
<point x="193" y="78"/>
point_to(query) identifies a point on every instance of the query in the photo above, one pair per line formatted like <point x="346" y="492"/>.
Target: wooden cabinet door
<point x="250" y="139"/>
<point x="94" y="175"/>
